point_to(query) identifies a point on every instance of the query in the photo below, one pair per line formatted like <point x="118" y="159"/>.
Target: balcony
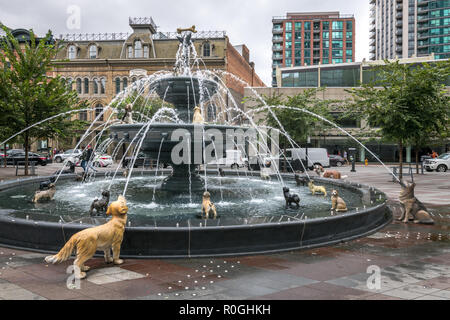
<point x="277" y="48"/>
<point x="277" y="30"/>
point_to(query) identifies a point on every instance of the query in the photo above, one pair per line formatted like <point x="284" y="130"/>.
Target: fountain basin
<point x="214" y="239"/>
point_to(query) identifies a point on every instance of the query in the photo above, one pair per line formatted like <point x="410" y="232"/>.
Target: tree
<point x="298" y="124"/>
<point x="30" y="94"/>
<point x="406" y="102"/>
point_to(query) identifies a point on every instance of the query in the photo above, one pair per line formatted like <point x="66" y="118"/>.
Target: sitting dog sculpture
<point x="208" y="208"/>
<point x="45" y="195"/>
<point x="314" y="189"/>
<point x="104" y="237"/>
<point x="265" y="173"/>
<point x="291" y="198"/>
<point x="337" y="203"/>
<point x="413" y="209"/>
<point x="100" y="205"/>
<point x="198" y="118"/>
<point x="221" y="172"/>
<point x="331" y="174"/>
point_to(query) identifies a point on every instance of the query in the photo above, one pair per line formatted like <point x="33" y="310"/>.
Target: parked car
<point x="233" y="159"/>
<point x="11" y="152"/>
<point x="100" y="160"/>
<point x="60" y="157"/>
<point x="15" y="158"/>
<point x="336" y="160"/>
<point x="440" y="164"/>
<point x="314" y="156"/>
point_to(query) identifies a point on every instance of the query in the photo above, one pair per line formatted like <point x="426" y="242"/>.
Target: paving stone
<point x="403" y="293"/>
<point x="443" y="294"/>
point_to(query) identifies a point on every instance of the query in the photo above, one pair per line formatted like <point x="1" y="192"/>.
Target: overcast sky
<point x="245" y="21"/>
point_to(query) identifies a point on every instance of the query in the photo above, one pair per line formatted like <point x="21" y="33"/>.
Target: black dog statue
<point x="291" y="198"/>
<point x="221" y="172"/>
<point x="301" y="181"/>
<point x="45" y="185"/>
<point x="71" y="170"/>
<point x="100" y="205"/>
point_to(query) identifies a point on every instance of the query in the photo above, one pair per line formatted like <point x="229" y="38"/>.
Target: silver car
<point x="440" y="164"/>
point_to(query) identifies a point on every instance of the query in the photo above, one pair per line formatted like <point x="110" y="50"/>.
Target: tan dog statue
<point x="105" y="237"/>
<point x="413" y="208"/>
<point x="208" y="207"/>
<point x="198" y="118"/>
<point x="45" y="195"/>
<point x="314" y="189"/>
<point x="331" y="174"/>
<point x="337" y="203"/>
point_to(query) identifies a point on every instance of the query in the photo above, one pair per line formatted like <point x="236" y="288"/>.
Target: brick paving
<point x="414" y="261"/>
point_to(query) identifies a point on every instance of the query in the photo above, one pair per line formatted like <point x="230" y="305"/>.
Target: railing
<point x="198" y="35"/>
<point x="94" y="36"/>
<point x="143" y="20"/>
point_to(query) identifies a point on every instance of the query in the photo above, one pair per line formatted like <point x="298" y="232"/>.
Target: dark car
<point x="16" y="158"/>
<point x="336" y="160"/>
<point x="140" y="160"/>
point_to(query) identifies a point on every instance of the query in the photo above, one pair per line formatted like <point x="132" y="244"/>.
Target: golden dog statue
<point x="314" y="189"/>
<point x="330" y="174"/>
<point x="337" y="203"/>
<point x="413" y="209"/>
<point x="105" y="237"/>
<point x="45" y="195"/>
<point x="198" y="118"/>
<point x="208" y="207"/>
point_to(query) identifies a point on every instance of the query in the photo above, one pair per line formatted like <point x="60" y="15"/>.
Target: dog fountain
<point x="164" y="217"/>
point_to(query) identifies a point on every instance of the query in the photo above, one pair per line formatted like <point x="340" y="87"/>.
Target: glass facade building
<point x="407" y="28"/>
<point x="305" y="39"/>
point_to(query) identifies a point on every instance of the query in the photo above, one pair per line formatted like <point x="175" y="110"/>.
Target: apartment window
<point x="337" y="35"/>
<point x="307" y="44"/>
<point x="138" y="49"/>
<point x="337" y="44"/>
<point x="326" y="44"/>
<point x="337" y="53"/>
<point x="289" y="36"/>
<point x="298" y="36"/>
<point x="99" y="112"/>
<point x="349" y="25"/>
<point x="72" y="52"/>
<point x="79" y="86"/>
<point x="288" y="26"/>
<point x="117" y="85"/>
<point x="349" y="35"/>
<point x="93" y="52"/>
<point x="308" y="26"/>
<point x="326" y="35"/>
<point x="298" y="62"/>
<point x="206" y="49"/>
<point x="298" y="45"/>
<point x="288" y="54"/>
<point x="325" y="25"/>
<point x="102" y="86"/>
<point x="298" y="26"/>
<point x="95" y="83"/>
<point x="338" y="25"/>
<point x="325" y="52"/>
<point x="288" y="62"/>
<point x="338" y="60"/>
<point x="86" y="86"/>
<point x="349" y="52"/>
<point x="308" y="63"/>
<point x="288" y="45"/>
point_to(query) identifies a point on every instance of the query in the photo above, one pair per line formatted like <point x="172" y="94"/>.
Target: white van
<point x="315" y="156"/>
<point x="232" y="160"/>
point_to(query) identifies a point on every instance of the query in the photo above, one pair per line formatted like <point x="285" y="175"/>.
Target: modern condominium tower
<point x="311" y="38"/>
<point x="408" y="28"/>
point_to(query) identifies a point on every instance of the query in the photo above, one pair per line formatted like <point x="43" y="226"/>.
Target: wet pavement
<point x="413" y="262"/>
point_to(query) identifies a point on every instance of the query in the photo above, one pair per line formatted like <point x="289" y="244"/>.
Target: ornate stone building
<point x="99" y="66"/>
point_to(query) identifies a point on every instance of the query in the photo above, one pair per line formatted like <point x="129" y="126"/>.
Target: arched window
<point x="83" y="115"/>
<point x="93" y="52"/>
<point x="130" y="52"/>
<point x="206" y="49"/>
<point x="125" y="83"/>
<point x="146" y="52"/>
<point x="72" y="52"/>
<point x="69" y="84"/>
<point x="95" y="81"/>
<point x="79" y="86"/>
<point x="138" y="49"/>
<point x="117" y="85"/>
<point x="102" y="86"/>
<point x="98" y="111"/>
<point x="86" y="86"/>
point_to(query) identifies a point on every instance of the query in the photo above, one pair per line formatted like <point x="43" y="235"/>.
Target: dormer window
<point x="138" y="49"/>
<point x="93" y="52"/>
<point x="130" y="52"/>
<point x="146" y="52"/>
<point x="72" y="52"/>
<point x="206" y="49"/>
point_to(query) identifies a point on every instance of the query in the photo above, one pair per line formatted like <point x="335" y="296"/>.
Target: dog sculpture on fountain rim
<point x="208" y="208"/>
<point x="198" y="118"/>
<point x="45" y="195"/>
<point x="413" y="209"/>
<point x="314" y="189"/>
<point x="337" y="203"/>
<point x="104" y="237"/>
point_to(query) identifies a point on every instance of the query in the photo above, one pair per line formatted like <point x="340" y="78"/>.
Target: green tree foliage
<point x="407" y="103"/>
<point x="298" y="124"/>
<point x="29" y="94"/>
